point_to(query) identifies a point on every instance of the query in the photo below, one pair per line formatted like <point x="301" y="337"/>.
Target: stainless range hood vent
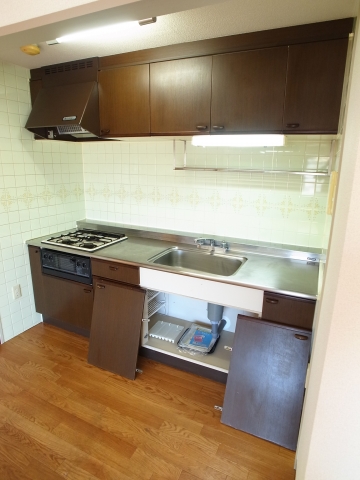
<point x="66" y="112"/>
<point x="70" y="129"/>
<point x="66" y="106"/>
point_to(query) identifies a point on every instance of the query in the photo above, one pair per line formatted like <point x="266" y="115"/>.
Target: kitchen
<point x="59" y="212"/>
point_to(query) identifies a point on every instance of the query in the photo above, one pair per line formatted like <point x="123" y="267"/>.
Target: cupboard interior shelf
<point x="219" y="360"/>
<point x="151" y="294"/>
<point x="154" y="302"/>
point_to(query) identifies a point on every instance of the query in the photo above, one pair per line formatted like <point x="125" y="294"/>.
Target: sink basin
<point x="206" y="262"/>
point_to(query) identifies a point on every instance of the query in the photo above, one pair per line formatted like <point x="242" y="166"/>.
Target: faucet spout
<point x="200" y="241"/>
<point x="212" y="243"/>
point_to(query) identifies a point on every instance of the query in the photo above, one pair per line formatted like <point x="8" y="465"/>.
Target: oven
<point x="66" y="265"/>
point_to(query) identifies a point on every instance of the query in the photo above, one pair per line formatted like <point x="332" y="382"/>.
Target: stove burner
<point x="68" y="241"/>
<point x="91" y="237"/>
<point x="88" y="245"/>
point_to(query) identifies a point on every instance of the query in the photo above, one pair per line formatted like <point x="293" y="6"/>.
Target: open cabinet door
<point x="115" y="327"/>
<point x="265" y="387"/>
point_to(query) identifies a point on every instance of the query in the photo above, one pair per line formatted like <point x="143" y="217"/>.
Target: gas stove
<point x="86" y="240"/>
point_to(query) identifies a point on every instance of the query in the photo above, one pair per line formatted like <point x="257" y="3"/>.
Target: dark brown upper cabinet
<point x="248" y="91"/>
<point x="180" y="96"/>
<point x="124" y="101"/>
<point x="314" y="86"/>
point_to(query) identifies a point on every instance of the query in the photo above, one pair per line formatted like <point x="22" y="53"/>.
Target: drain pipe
<point x="215" y="313"/>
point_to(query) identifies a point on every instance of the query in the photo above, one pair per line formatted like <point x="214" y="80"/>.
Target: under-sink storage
<point x="169" y="316"/>
<point x="219" y="360"/>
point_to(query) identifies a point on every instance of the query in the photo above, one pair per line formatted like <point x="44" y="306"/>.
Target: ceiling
<point x="177" y="22"/>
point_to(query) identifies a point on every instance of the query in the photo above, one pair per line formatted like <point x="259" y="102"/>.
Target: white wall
<point x="329" y="445"/>
<point x="41" y="192"/>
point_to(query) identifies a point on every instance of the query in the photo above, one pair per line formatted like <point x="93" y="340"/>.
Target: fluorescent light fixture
<point x="147" y="21"/>
<point x="238" y="140"/>
<point x="99" y="33"/>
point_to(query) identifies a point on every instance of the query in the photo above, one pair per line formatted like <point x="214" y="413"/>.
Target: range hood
<point x="65" y="101"/>
<point x="66" y="112"/>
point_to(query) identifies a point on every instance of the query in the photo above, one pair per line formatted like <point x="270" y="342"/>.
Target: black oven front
<point x="66" y="265"/>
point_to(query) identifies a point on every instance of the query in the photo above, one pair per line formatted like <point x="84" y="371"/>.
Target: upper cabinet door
<point x="248" y="90"/>
<point x="124" y="101"/>
<point x="180" y="93"/>
<point x="314" y="86"/>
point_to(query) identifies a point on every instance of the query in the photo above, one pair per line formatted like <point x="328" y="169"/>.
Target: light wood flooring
<point x="62" y="418"/>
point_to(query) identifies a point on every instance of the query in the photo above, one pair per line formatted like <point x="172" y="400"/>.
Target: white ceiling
<point x="177" y="22"/>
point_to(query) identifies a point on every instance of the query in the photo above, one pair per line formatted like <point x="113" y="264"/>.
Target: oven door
<point x="67" y="304"/>
<point x="62" y="302"/>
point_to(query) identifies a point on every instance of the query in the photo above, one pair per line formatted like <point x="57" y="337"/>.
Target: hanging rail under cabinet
<point x="317" y="173"/>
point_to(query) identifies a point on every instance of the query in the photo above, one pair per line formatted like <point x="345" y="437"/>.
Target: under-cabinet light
<point x="238" y="140"/>
<point x="147" y="21"/>
<point x="98" y="33"/>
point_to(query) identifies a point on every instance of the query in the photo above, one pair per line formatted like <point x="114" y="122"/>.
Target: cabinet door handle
<point x="201" y="127"/>
<point x="301" y="337"/>
<point x="113" y="268"/>
<point x="104" y="132"/>
<point x="218" y="127"/>
<point x="86" y="290"/>
<point x="100" y="286"/>
<point x="272" y="301"/>
<point x="292" y="125"/>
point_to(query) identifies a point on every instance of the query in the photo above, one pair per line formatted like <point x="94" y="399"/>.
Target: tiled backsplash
<point x="41" y="191"/>
<point x="134" y="183"/>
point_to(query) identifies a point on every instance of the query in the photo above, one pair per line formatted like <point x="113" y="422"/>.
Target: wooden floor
<point x="62" y="418"/>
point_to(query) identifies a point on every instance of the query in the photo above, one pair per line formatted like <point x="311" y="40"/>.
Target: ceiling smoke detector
<point x="30" y="49"/>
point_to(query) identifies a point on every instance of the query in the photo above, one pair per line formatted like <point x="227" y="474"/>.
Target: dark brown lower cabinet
<point x="68" y="302"/>
<point x="115" y="327"/>
<point x="266" y="381"/>
<point x="62" y="302"/>
<point x="37" y="278"/>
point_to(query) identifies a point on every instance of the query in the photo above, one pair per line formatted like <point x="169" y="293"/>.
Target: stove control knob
<point x="78" y="264"/>
<point x="50" y="257"/>
<point x="45" y="255"/>
<point x="84" y="265"/>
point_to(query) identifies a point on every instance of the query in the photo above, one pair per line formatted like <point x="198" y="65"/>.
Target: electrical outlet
<point x="16" y="290"/>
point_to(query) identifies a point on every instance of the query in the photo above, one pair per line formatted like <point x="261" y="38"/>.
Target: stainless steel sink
<point x="200" y="261"/>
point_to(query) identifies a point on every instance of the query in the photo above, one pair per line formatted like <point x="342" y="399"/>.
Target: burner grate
<point x="88" y="240"/>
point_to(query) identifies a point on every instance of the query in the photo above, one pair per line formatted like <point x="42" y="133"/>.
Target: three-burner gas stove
<point x="85" y="240"/>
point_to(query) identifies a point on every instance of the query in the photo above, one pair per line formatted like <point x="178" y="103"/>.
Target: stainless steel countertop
<point x="263" y="269"/>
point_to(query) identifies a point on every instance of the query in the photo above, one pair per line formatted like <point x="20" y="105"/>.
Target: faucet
<point x="200" y="241"/>
<point x="212" y="243"/>
<point x="224" y="246"/>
